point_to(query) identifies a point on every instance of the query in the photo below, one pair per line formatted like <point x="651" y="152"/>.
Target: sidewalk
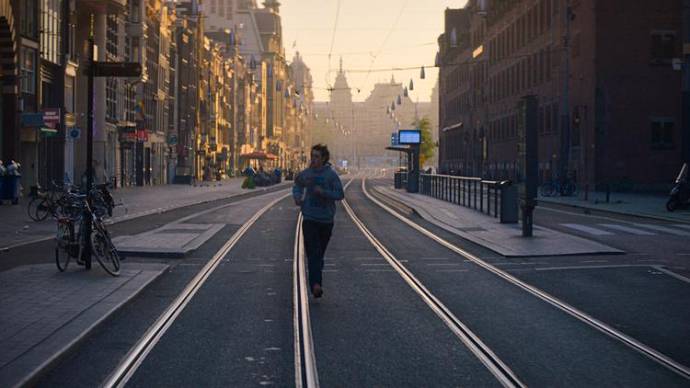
<point x="17" y="228"/>
<point x="44" y="312"/>
<point x="641" y="205"/>
<point x="504" y="239"/>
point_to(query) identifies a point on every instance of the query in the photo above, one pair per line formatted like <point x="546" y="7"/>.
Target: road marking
<point x="652" y="353"/>
<point x="683" y="254"/>
<point x="671" y="273"/>
<point x="628" y="229"/>
<point x="612" y="266"/>
<point x="374" y="264"/>
<point x="451" y="270"/>
<point x="665" y="229"/>
<point x="594" y="261"/>
<point x="588" y="229"/>
<point x="685" y="226"/>
<point x="443" y="264"/>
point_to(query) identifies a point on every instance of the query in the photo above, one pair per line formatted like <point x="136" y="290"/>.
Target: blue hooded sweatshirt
<point x="319" y="208"/>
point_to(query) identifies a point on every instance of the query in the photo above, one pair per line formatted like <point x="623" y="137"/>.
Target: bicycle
<point x="47" y="202"/>
<point x="71" y="241"/>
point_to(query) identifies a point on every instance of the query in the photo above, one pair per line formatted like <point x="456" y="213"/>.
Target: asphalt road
<point x="372" y="329"/>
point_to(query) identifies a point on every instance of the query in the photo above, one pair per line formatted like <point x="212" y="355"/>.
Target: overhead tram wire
<point x="335" y="28"/>
<point x="462" y="63"/>
<point x="385" y="40"/>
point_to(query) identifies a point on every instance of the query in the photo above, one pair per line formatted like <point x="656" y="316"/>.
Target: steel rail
<point x="646" y="350"/>
<point x="306" y="374"/>
<point x="125" y="370"/>
<point x="485" y="355"/>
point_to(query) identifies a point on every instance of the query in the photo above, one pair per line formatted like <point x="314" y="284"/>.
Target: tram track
<point x="138" y="353"/>
<point x="503" y="374"/>
<point x="561" y="305"/>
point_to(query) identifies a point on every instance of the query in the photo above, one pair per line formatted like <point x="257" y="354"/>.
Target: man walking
<point x="323" y="188"/>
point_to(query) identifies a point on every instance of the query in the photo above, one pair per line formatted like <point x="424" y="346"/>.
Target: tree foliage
<point x="427" y="147"/>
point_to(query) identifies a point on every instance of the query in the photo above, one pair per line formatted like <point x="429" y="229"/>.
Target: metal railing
<point x="475" y="193"/>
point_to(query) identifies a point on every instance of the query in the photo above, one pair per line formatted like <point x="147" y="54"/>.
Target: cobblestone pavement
<point x="45" y="311"/>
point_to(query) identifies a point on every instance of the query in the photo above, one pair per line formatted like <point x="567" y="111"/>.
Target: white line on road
<point x="665" y="229"/>
<point x="628" y="229"/>
<point x="671" y="273"/>
<point x="610" y="266"/>
<point x="652" y="353"/>
<point x="588" y="229"/>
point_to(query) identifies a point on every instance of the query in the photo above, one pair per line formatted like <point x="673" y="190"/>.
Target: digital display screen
<point x="410" y="136"/>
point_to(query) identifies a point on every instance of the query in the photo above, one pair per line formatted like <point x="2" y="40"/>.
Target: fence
<point x="494" y="198"/>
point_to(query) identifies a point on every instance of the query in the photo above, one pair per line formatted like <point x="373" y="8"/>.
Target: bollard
<point x="509" y="203"/>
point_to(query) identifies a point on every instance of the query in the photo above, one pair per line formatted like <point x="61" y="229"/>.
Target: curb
<point x="440" y="224"/>
<point x="33" y="377"/>
<point x="125" y="218"/>
<point x="610" y="211"/>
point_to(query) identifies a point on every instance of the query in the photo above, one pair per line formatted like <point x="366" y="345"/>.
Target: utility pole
<point x="565" y="98"/>
<point x="685" y="105"/>
<point x="89" y="147"/>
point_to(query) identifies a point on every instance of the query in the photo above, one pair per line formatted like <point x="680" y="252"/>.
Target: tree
<point x="427" y="147"/>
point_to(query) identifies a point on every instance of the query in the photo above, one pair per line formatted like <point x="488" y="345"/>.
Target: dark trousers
<point x="316" y="236"/>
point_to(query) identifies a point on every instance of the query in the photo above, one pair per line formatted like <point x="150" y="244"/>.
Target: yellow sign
<point x="478" y="51"/>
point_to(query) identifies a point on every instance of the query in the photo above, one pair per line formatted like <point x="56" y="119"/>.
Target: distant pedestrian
<point x="323" y="188"/>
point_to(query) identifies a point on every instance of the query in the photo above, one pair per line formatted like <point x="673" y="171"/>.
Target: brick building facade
<point x="614" y="116"/>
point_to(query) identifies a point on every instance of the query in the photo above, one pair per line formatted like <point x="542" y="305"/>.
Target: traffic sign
<point x="117" y="69"/>
<point x="172" y="139"/>
<point x="51" y="117"/>
<point x="74" y="133"/>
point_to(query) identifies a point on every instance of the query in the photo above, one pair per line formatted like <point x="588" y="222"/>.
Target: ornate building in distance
<point x="359" y="132"/>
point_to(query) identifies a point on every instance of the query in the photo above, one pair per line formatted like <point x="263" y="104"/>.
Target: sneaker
<point x="316" y="290"/>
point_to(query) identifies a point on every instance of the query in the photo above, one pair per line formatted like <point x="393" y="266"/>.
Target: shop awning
<point x="259" y="155"/>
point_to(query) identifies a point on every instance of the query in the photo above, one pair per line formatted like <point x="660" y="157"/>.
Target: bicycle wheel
<point x="44" y="209"/>
<point x="31" y="207"/>
<point x="104" y="250"/>
<point x="64" y="242"/>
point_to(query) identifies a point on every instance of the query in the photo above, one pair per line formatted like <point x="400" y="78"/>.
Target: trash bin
<point x="509" y="203"/>
<point x="10" y="188"/>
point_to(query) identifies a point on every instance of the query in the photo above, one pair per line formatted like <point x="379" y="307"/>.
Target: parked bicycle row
<point x="55" y="200"/>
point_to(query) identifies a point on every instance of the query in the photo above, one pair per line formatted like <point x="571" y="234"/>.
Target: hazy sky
<point x="370" y="34"/>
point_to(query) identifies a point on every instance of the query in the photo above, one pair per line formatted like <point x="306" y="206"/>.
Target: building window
<point x="663" y="47"/>
<point x="111" y="99"/>
<point x="28" y="71"/>
<point x="50" y="30"/>
<point x="213" y="5"/>
<point x="28" y="21"/>
<point x="662" y="134"/>
<point x="111" y="37"/>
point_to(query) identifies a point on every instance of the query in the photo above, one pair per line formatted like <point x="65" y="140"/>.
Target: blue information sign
<point x="410" y="136"/>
